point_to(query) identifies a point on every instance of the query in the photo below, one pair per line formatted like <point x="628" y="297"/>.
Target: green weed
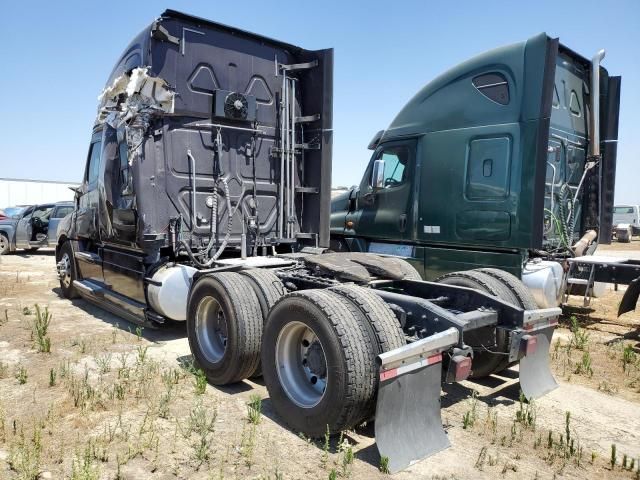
<point x="200" y="381"/>
<point x="104" y="363"/>
<point x="22" y="375"/>
<point x="40" y="328"/>
<point x="628" y="357"/>
<point x="526" y="414"/>
<point x="254" y="409"/>
<point x="25" y="455"/>
<point x="384" y="464"/>
<point x="83" y="468"/>
<point x="583" y="367"/>
<point x="580" y="336"/>
<point x="470" y="416"/>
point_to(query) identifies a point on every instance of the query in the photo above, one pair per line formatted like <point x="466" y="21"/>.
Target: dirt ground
<point x="112" y="401"/>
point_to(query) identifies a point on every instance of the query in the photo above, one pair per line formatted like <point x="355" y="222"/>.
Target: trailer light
<point x="462" y="366"/>
<point x="528" y="344"/>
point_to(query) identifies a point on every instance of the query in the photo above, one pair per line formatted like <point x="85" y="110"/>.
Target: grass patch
<point x="40" y="329"/>
<point x="254" y="409"/>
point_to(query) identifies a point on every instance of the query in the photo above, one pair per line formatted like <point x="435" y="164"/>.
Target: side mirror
<point x="377" y="175"/>
<point x="353" y="198"/>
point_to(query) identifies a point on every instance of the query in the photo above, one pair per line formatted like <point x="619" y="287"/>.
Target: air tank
<point x="169" y="291"/>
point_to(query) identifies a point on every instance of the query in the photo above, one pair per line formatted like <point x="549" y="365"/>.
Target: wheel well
<point x="61" y="241"/>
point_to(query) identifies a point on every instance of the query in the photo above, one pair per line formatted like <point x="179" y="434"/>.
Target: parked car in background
<point x="32" y="226"/>
<point x="626" y="222"/>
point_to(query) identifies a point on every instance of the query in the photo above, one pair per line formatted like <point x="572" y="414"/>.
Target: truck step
<point x="89" y="287"/>
<point x="577" y="281"/>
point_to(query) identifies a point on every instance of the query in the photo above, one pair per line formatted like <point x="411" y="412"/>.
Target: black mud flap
<point x="630" y="297"/>
<point x="408" y="422"/>
<point x="536" y="378"/>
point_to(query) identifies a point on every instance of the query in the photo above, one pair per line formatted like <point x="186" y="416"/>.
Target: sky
<point x="57" y="56"/>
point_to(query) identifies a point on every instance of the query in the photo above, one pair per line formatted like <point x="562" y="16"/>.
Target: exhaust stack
<point x="595" y="102"/>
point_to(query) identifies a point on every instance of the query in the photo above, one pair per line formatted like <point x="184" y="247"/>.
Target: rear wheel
<point x="521" y="292"/>
<point x="410" y="273"/>
<point x="4" y="244"/>
<point x="485" y="361"/>
<point x="66" y="267"/>
<point x="224" y="327"/>
<point x="384" y="330"/>
<point x="318" y="365"/>
<point x="268" y="288"/>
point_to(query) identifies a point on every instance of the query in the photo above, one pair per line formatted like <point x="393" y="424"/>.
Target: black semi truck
<point x="206" y="199"/>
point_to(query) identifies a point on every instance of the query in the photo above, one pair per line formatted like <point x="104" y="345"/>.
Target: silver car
<point x="31" y="227"/>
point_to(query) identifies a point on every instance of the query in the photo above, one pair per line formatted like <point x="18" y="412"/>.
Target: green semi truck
<point x="506" y="162"/>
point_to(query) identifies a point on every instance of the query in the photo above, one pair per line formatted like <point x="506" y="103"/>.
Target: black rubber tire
<point x="352" y="372"/>
<point x="513" y="283"/>
<point x="484" y="363"/>
<point x="521" y="292"/>
<point x="409" y="271"/>
<point x="7" y="246"/>
<point x="384" y="329"/>
<point x="68" y="292"/>
<point x="241" y="308"/>
<point x="268" y="288"/>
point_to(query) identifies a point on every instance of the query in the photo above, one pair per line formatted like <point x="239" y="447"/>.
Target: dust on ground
<point x="113" y="401"/>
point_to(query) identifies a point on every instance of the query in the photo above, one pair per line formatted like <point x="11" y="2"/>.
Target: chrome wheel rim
<point x="64" y="270"/>
<point x="4" y="244"/>
<point x="301" y="364"/>
<point x="211" y="329"/>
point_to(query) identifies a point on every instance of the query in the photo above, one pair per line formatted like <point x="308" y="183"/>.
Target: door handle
<point x="402" y="222"/>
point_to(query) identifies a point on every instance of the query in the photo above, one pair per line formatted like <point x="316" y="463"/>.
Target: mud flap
<point x="630" y="297"/>
<point x="536" y="378"/>
<point x="408" y="422"/>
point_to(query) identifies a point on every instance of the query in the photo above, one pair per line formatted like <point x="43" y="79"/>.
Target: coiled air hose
<point x="214" y="222"/>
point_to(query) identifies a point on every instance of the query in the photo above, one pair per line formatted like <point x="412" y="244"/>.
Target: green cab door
<point x="383" y="207"/>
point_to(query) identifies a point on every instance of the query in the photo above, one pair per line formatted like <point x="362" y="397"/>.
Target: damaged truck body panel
<point x="169" y="109"/>
<point x="206" y="200"/>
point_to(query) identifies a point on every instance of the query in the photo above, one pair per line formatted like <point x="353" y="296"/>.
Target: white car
<point x="626" y="222"/>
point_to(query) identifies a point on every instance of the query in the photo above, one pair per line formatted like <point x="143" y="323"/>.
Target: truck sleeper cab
<point x="206" y="198"/>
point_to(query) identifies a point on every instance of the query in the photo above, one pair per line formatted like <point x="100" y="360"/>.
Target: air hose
<point x="214" y="221"/>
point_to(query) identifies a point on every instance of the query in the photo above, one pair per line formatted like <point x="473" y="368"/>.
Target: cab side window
<point x="93" y="169"/>
<point x="395" y="165"/>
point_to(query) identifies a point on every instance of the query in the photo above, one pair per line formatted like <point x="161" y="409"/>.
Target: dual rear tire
<point x="489" y="359"/>
<point x="317" y="347"/>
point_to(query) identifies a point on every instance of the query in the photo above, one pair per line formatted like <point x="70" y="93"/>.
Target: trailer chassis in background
<point x="617" y="270"/>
